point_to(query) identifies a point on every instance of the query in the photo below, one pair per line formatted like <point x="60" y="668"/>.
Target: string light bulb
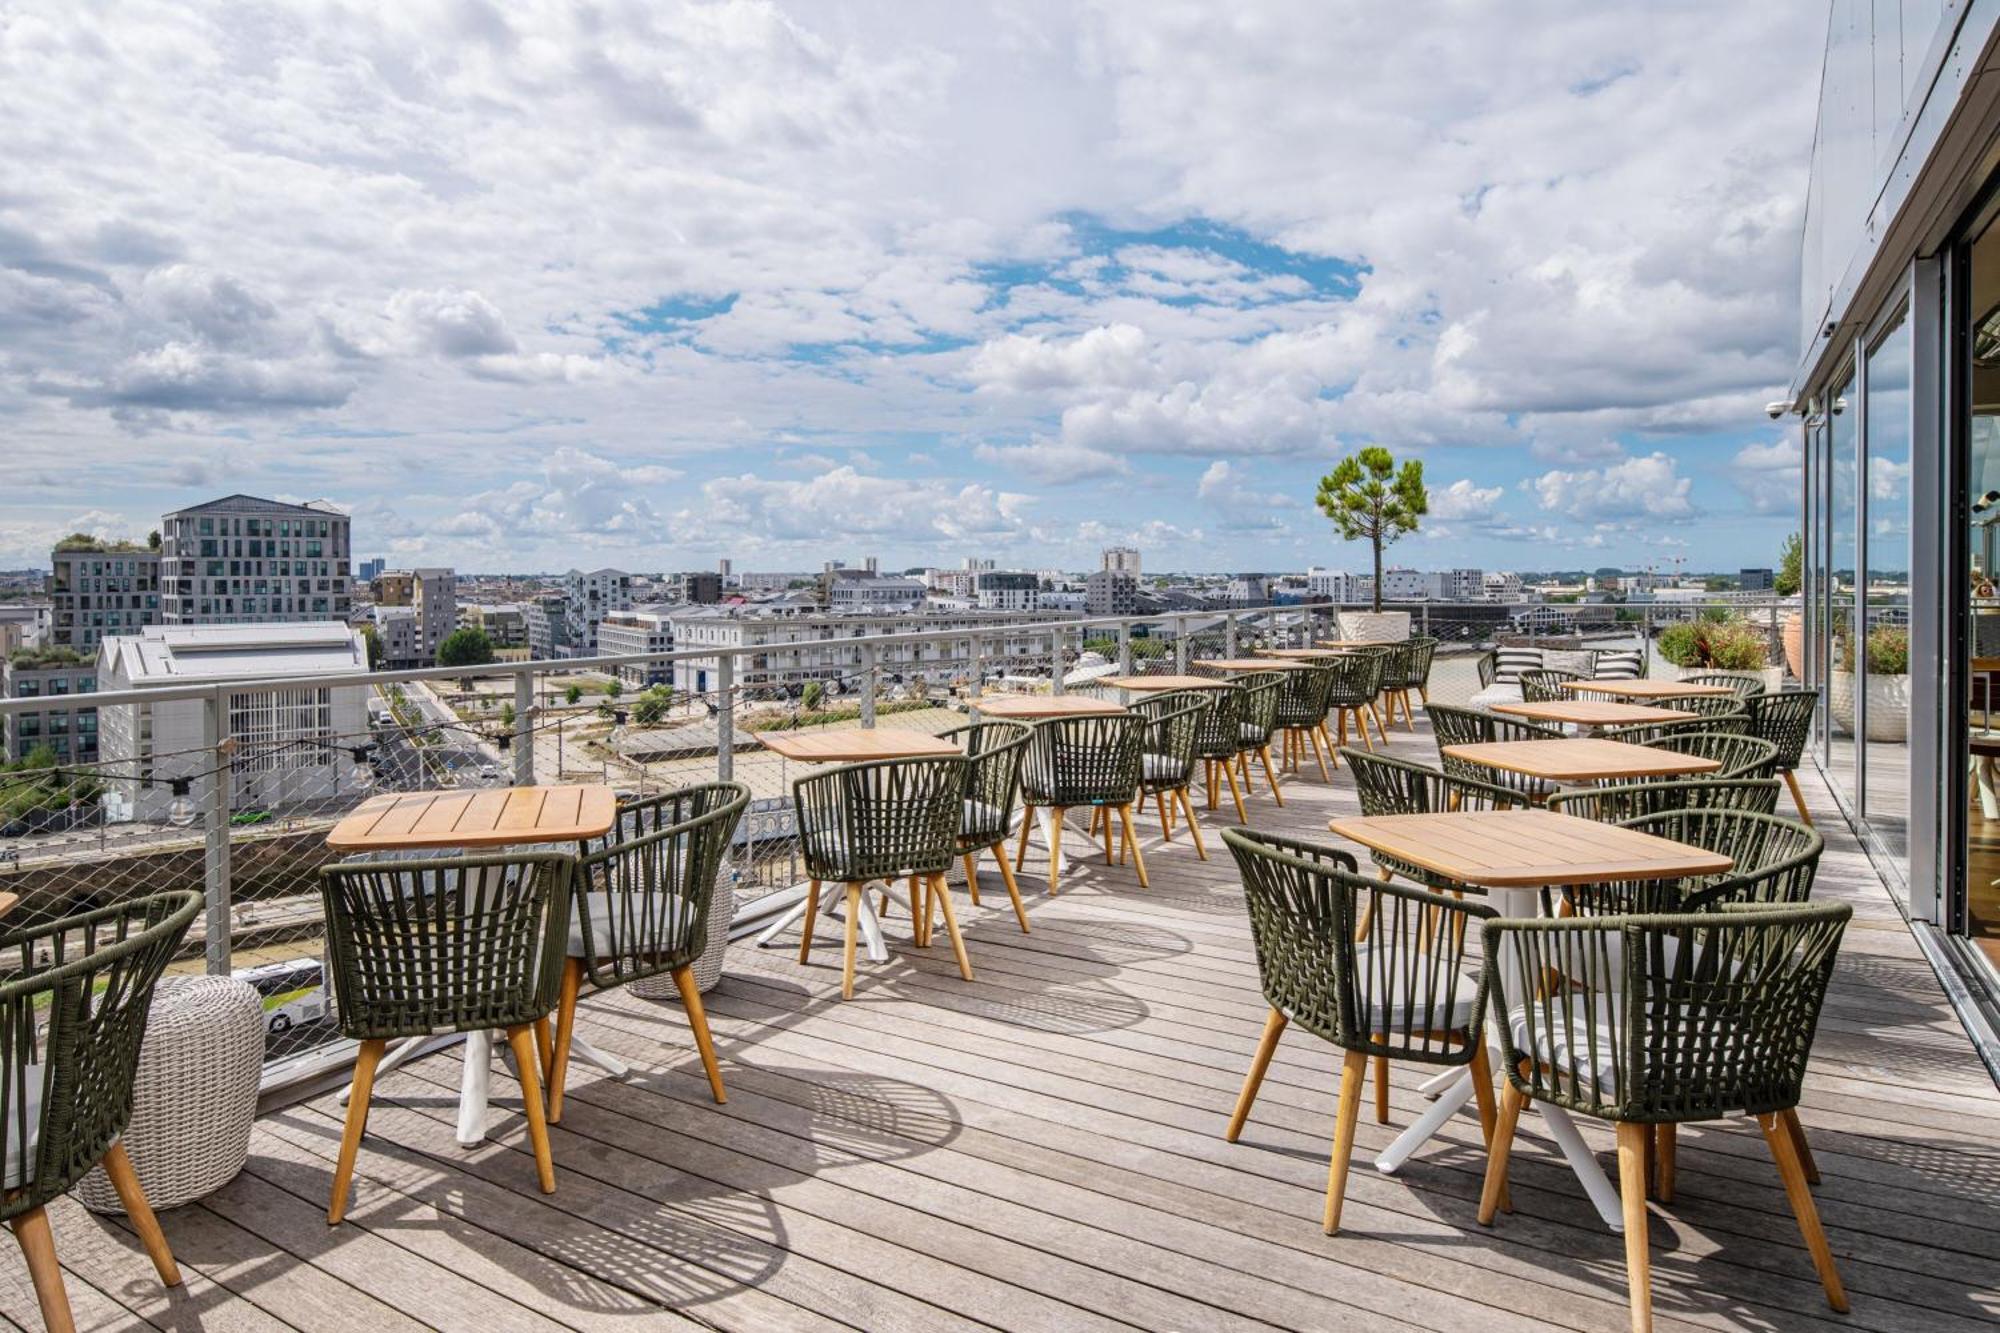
<point x="181" y="811"/>
<point x="362" y="776"/>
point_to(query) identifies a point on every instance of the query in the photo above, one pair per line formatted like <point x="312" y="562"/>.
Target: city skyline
<point x="1020" y="283"/>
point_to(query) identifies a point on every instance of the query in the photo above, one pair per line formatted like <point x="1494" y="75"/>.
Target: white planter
<point x="1888" y="706"/>
<point x="1771" y="678"/>
<point x="1376" y="626"/>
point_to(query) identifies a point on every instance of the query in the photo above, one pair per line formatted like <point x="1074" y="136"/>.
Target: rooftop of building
<point x="170" y="654"/>
<point x="238" y="504"/>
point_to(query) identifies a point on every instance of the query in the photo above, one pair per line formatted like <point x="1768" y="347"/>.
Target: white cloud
<point x="1647" y="488"/>
<point x="1770" y="475"/>
<point x="752" y="512"/>
<point x="1463" y="500"/>
<point x="1052" y="461"/>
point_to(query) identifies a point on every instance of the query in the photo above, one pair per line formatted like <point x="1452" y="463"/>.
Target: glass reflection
<point x="1982" y="472"/>
<point x="1884" y="662"/>
<point x="1843" y="699"/>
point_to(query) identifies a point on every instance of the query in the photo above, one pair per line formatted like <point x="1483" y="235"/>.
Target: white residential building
<point x="99" y="589"/>
<point x="1405" y="585"/>
<point x="1007" y="590"/>
<point x="879" y="595"/>
<point x="242" y="560"/>
<point x="434" y="598"/>
<point x="1456" y="585"/>
<point x="292" y="742"/>
<point x="644" y="630"/>
<point x="590" y="597"/>
<point x="793" y="647"/>
<point x="1334" y="585"/>
<point x="1501" y="587"/>
<point x="1120" y="560"/>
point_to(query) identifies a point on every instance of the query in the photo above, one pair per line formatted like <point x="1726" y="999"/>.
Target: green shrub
<point x="1888" y="651"/>
<point x="1728" y="645"/>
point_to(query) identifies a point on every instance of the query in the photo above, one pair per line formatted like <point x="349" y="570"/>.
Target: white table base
<point x="476" y="1086"/>
<point x="773" y="914"/>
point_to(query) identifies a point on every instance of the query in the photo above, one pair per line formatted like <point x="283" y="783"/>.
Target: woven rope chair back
<point x="1221" y="722"/>
<point x="1260" y="707"/>
<point x="1785" y="720"/>
<point x="1451" y="725"/>
<point x="1303" y="700"/>
<point x="1740" y="756"/>
<point x="1776" y="859"/>
<point x="446" y="944"/>
<point x="1396" y="663"/>
<point x="1397" y="995"/>
<point x="1167" y="749"/>
<point x="1391" y="786"/>
<point x="993" y="783"/>
<point x="1084" y="761"/>
<point x="1353" y="679"/>
<point x="1708" y="705"/>
<point x="1692" y="1016"/>
<point x="882" y="819"/>
<point x="1746" y="687"/>
<point x="74" y="996"/>
<point x="1629" y="800"/>
<point x="1417" y="672"/>
<point x="1650" y="733"/>
<point x="1543" y="685"/>
<point x="642" y="902"/>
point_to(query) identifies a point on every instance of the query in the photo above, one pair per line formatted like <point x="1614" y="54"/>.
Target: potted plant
<point x="1792" y="628"/>
<point x="1730" y="647"/>
<point x="1369" y="498"/>
<point x="1888" y="688"/>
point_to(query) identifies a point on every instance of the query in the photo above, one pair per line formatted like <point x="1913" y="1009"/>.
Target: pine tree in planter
<point x="1370" y="499"/>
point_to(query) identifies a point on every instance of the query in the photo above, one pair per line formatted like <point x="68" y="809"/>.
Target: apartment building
<point x="434" y="597"/>
<point x="852" y="593"/>
<point x="1456" y="585"/>
<point x="291" y="742"/>
<point x="393" y="587"/>
<point x="1334" y="585"/>
<point x="56" y="675"/>
<point x="589" y="597"/>
<point x="641" y="630"/>
<point x="791" y="647"/>
<point x="1009" y="590"/>
<point x="1499" y="587"/>
<point x="98" y="588"/>
<point x="1111" y="592"/>
<point x="547" y="620"/>
<point x="505" y="624"/>
<point x="396" y="630"/>
<point x="245" y="560"/>
<point x="1120" y="560"/>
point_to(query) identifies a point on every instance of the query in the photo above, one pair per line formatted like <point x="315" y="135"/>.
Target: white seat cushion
<point x="1496" y="693"/>
<point x="20" y="1163"/>
<point x="1161" y="768"/>
<point x="1589" y="1036"/>
<point x="656" y="916"/>
<point x="1618" y="665"/>
<point x="978" y="818"/>
<point x="1509" y="663"/>
<point x="1397" y="982"/>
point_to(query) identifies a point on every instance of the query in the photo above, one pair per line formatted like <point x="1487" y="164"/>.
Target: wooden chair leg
<point x="132" y="1194"/>
<point x="1194" y="827"/>
<point x="1340" y="724"/>
<point x="1138" y="860"/>
<point x="1274" y="1026"/>
<point x="1632" y="1141"/>
<point x="1481" y="1070"/>
<point x="951" y="927"/>
<point x="1013" y="889"/>
<point x="1326" y="743"/>
<point x="698" y="1023"/>
<point x="359" y="1092"/>
<point x="1055" y="848"/>
<point x="807" y="922"/>
<point x="920" y="921"/>
<point x="1319" y="755"/>
<point x="1243" y="771"/>
<point x="1799" y="1144"/>
<point x="1235" y="794"/>
<point x="1666" y="1142"/>
<point x="572" y="983"/>
<point x="38" y="1247"/>
<point x="522" y="1040"/>
<point x="1166" y="816"/>
<point x="1798" y="797"/>
<point x="972" y="875"/>
<point x="1353" y="1069"/>
<point x="1027" y="825"/>
<point x="1361" y="725"/>
<point x="1271" y="776"/>
<point x="1381" y="1063"/>
<point x="545" y="1055"/>
<point x="1499" y="1150"/>
<point x="1792" y="1172"/>
<point x="852" y="923"/>
<point x="1102" y="815"/>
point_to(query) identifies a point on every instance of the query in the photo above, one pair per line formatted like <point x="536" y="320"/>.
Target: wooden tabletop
<point x="1359" y="643"/>
<point x="1593" y="712"/>
<point x="500" y="817"/>
<point x="1581" y="759"/>
<point x="1153" y="684"/>
<point x="1302" y="654"/>
<point x="1527" y="848"/>
<point x="847" y="745"/>
<point x="1247" y="664"/>
<point x="1645" y="688"/>
<point x="7" y="902"/>
<point x="1036" y="707"/>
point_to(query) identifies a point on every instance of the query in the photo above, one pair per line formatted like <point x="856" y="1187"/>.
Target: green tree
<point x="371" y="639"/>
<point x="507" y="716"/>
<point x="1370" y="499"/>
<point x="1791" y="567"/>
<point x="812" y="696"/>
<point x="615" y="688"/>
<point x="153" y="540"/>
<point x="572" y="694"/>
<point x="465" y="647"/>
<point x="650" y="708"/>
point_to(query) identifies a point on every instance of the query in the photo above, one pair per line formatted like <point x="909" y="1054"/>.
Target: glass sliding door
<point x="1977" y="913"/>
<point x="1814" y="601"/>
<point x="1882" y="657"/>
<point x="1844" y="700"/>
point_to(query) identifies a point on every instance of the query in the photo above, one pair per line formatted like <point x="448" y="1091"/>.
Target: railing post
<point x="524" y="728"/>
<point x="978" y="665"/>
<point x="725" y="717"/>
<point x="215" y="858"/>
<point x="1180" y="645"/>
<point x="1646" y="640"/>
<point x="1056" y="660"/>
<point x="1427" y="618"/>
<point x="1124" y="647"/>
<point x="870" y="678"/>
<point x="1229" y="636"/>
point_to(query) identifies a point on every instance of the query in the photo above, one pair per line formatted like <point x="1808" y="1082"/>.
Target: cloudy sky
<point x="528" y="285"/>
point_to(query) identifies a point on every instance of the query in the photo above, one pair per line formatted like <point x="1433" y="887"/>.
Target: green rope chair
<point x="1707" y="705"/>
<point x="1301" y="720"/>
<point x="1216" y="739"/>
<point x="1543" y="685"/>
<point x="992" y="788"/>
<point x="1785" y="720"/>
<point x="1775" y="861"/>
<point x="1649" y="733"/>
<point x="1260" y="722"/>
<point x="1167" y="755"/>
<point x="1746" y="687"/>
<point x="74" y="997"/>
<point x="1404" y="995"/>
<point x="1609" y="805"/>
<point x="887" y="820"/>
<point x="422" y="945"/>
<point x="1451" y="725"/>
<point x="1354" y="679"/>
<point x="1422" y="656"/>
<point x="1083" y="761"/>
<point x="640" y="908"/>
<point x="1406" y="666"/>
<point x="1649" y="1036"/>
<point x="1740" y="756"/>
<point x="1389" y="786"/>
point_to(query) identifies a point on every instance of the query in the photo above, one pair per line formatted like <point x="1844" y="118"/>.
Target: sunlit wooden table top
<point x="499" y="817"/>
<point x="1527" y="848"/>
<point x="847" y="745"/>
<point x="1581" y="759"/>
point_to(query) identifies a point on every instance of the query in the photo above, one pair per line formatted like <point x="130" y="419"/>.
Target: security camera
<point x="1778" y="409"/>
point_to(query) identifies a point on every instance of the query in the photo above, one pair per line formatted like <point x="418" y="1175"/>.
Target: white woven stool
<point x="708" y="967"/>
<point x="195" y="1094"/>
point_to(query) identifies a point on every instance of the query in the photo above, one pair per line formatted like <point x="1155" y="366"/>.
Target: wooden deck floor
<point x="1042" y="1148"/>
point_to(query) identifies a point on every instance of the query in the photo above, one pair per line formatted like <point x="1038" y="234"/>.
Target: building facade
<point x="1111" y="592"/>
<point x="1895" y="405"/>
<point x="1120" y="560"/>
<point x="505" y="624"/>
<point x="872" y="594"/>
<point x="1455" y="585"/>
<point x="392" y="587"/>
<point x="791" y="648"/>
<point x="587" y="599"/>
<point x="434" y="598"/>
<point x="57" y="676"/>
<point x="547" y="620"/>
<point x="644" y="630"/>
<point x="101" y="588"/>
<point x="243" y="560"/>
<point x="396" y="631"/>
<point x="1007" y="590"/>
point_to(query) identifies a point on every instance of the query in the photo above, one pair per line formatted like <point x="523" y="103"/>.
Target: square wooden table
<point x="1593" y="712"/>
<point x="1359" y="643"/>
<point x="1581" y="759"/>
<point x="1301" y="654"/>
<point x="1513" y="854"/>
<point x="849" y="745"/>
<point x="412" y="821"/>
<point x="1646" y="689"/>
<point x="1041" y="707"/>
<point x="1245" y="665"/>
<point x="1159" y="684"/>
